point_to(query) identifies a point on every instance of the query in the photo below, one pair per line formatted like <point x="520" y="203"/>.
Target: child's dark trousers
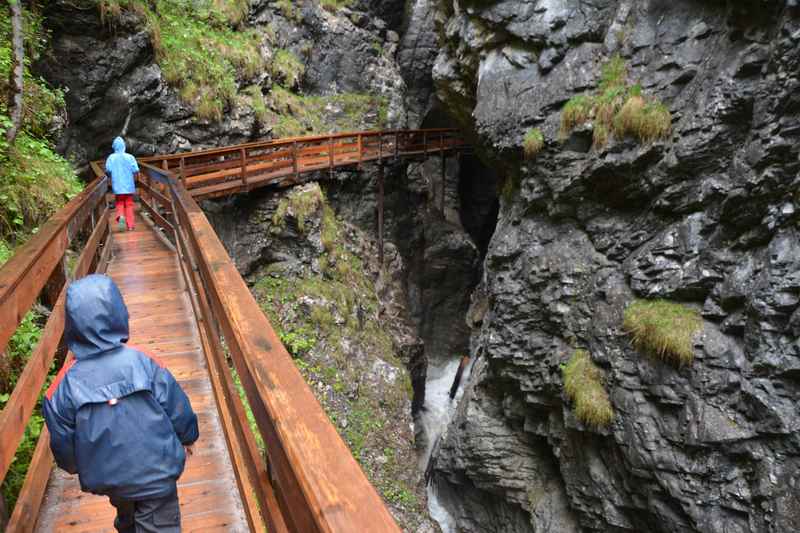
<point x="158" y="515"/>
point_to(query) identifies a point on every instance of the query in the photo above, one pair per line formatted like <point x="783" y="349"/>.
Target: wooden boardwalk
<point x="163" y="324"/>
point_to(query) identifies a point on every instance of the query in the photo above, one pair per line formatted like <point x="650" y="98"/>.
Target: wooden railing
<point x="38" y="272"/>
<point x="222" y="171"/>
<point x="308" y="481"/>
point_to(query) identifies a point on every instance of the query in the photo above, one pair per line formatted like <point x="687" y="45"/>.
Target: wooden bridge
<point x="190" y="307"/>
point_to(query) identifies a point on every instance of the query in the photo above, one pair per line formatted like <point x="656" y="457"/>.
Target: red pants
<point x="125" y="209"/>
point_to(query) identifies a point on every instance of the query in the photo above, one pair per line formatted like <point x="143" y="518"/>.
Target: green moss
<point x="335" y="5"/>
<point x="255" y="99"/>
<point x="617" y="108"/>
<point x="663" y="329"/>
<point x="303" y="115"/>
<point x="287" y="68"/>
<point x="300" y="204"/>
<point x="532" y="143"/>
<point x="251" y="419"/>
<point x="289" y="10"/>
<point x="584" y="387"/>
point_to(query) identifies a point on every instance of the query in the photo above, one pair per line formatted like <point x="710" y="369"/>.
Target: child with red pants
<point x="122" y="168"/>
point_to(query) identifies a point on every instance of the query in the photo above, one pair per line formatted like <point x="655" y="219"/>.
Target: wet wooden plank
<point x="162" y="324"/>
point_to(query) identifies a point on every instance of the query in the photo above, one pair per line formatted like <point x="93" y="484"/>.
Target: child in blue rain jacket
<point x="116" y="416"/>
<point x="122" y="169"/>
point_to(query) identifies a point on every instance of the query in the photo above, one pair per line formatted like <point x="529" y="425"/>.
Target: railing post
<point x="182" y="171"/>
<point x="243" y="155"/>
<point x="396" y="145"/>
<point x="52" y="289"/>
<point x="360" y="149"/>
<point x="330" y="155"/>
<point x="425" y="143"/>
<point x="294" y="161"/>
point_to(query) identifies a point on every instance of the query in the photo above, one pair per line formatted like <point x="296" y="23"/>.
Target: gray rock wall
<point x="707" y="218"/>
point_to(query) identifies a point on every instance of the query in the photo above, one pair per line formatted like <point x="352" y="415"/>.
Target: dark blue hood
<point x="96" y="316"/>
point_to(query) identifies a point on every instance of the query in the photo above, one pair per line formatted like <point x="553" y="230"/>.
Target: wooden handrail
<point x="35" y="269"/>
<point x="280" y="162"/>
<point x="289" y="140"/>
<point x="319" y="487"/>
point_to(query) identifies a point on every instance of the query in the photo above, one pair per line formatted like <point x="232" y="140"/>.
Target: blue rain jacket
<point x="121" y="167"/>
<point x="116" y="416"/>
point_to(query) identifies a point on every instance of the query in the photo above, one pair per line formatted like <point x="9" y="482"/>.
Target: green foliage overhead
<point x="617" y="108"/>
<point x="583" y="384"/>
<point x="663" y="329"/>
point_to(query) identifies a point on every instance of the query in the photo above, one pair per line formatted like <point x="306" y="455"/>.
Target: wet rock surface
<point x="706" y="218"/>
<point x="113" y="84"/>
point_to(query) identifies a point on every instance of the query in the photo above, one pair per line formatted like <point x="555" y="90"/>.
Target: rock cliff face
<point x="707" y="217"/>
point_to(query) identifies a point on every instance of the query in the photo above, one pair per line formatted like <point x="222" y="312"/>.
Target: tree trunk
<point x="17" y="72"/>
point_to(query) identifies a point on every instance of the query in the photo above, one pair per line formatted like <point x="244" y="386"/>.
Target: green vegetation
<point x="532" y="143"/>
<point x="255" y="99"/>
<point x="34" y="180"/>
<point x="303" y="115"/>
<point x="617" y="108"/>
<point x="584" y="387"/>
<point x="663" y="329"/>
<point x="327" y="316"/>
<point x="251" y="419"/>
<point x="510" y="186"/>
<point x="287" y="68"/>
<point x="19" y="349"/>
<point x="289" y="10"/>
<point x="335" y="5"/>
<point x="199" y="51"/>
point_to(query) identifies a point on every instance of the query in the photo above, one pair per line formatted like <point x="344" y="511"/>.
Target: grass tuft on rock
<point x="663" y="329"/>
<point x="532" y="143"/>
<point x="583" y="385"/>
<point x="287" y="68"/>
<point x="617" y="108"/>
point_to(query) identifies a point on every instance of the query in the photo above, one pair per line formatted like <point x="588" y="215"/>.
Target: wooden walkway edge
<point x="162" y="324"/>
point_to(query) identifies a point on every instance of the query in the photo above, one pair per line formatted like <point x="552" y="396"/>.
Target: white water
<point x="434" y="419"/>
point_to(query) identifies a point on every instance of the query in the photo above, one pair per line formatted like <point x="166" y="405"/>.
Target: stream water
<point x="434" y="419"/>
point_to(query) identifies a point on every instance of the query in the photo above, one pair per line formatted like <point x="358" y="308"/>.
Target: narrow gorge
<point x="614" y="261"/>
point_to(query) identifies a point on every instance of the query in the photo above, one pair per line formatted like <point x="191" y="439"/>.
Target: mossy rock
<point x="583" y="385"/>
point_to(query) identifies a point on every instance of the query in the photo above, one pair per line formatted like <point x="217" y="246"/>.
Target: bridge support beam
<point x="380" y="214"/>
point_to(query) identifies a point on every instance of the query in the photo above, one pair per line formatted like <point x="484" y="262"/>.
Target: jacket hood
<point x="96" y="316"/>
<point x="118" y="145"/>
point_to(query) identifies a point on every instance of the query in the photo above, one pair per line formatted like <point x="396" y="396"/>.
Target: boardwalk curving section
<point x="162" y="323"/>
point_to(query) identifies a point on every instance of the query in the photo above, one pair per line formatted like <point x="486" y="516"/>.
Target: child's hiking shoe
<point x="121" y="223"/>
